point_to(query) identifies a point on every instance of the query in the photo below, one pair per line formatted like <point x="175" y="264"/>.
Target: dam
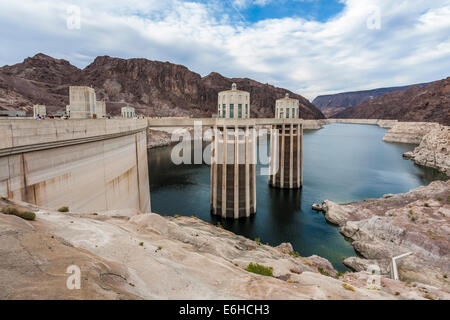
<point x="101" y="164"/>
<point x="86" y="164"/>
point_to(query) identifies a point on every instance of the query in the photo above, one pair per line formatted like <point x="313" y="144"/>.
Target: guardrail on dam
<point x="83" y="164"/>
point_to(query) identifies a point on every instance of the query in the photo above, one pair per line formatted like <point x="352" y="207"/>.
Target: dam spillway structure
<point x="286" y="147"/>
<point x="233" y="171"/>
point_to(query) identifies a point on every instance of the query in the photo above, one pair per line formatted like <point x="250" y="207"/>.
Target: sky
<point x="311" y="47"/>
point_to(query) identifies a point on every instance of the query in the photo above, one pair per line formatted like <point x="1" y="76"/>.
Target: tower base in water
<point x="233" y="171"/>
<point x="286" y="152"/>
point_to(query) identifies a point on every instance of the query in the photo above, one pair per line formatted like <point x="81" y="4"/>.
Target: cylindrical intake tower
<point x="233" y="171"/>
<point x="286" y="151"/>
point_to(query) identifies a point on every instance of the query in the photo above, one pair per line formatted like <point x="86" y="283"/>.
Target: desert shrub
<point x="445" y="276"/>
<point x="348" y="287"/>
<point x="439" y="198"/>
<point x="258" y="241"/>
<point x="259" y="269"/>
<point x="28" y="215"/>
<point x="323" y="271"/>
<point x="426" y="204"/>
<point x="10" y="210"/>
<point x="63" y="209"/>
<point x="429" y="296"/>
<point x="219" y="225"/>
<point x="295" y="254"/>
<point x="141" y="243"/>
<point x="4" y="198"/>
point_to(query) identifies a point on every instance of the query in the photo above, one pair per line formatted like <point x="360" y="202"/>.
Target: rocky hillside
<point x="334" y="103"/>
<point x="155" y="88"/>
<point x="430" y="103"/>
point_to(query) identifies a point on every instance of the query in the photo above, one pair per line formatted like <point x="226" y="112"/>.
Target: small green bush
<point x="413" y="219"/>
<point x="259" y="269"/>
<point x="219" y="225"/>
<point x="445" y="276"/>
<point x="295" y="254"/>
<point x="141" y="243"/>
<point x="426" y="204"/>
<point x="63" y="209"/>
<point x="28" y="215"/>
<point x="322" y="271"/>
<point x="4" y="198"/>
<point x="439" y="199"/>
<point x="10" y="210"/>
<point x="258" y="241"/>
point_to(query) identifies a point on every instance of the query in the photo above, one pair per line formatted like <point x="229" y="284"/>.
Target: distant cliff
<point x="334" y="103"/>
<point x="154" y="88"/>
<point x="429" y="103"/>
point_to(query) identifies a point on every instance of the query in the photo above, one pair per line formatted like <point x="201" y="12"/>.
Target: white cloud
<point x="306" y="56"/>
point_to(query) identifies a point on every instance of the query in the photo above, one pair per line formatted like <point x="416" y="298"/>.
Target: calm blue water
<point x="342" y="163"/>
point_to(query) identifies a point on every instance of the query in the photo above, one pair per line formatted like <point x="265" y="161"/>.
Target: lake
<point x="342" y="163"/>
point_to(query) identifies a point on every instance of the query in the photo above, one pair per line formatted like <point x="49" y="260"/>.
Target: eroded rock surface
<point x="417" y="222"/>
<point x="434" y="150"/>
<point x="148" y="256"/>
<point x="433" y="140"/>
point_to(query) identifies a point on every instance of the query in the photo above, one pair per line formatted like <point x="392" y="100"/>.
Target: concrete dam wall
<point x="88" y="165"/>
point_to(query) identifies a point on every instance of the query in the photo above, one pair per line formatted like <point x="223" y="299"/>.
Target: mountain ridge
<point x="428" y="103"/>
<point x="331" y="104"/>
<point x="154" y="88"/>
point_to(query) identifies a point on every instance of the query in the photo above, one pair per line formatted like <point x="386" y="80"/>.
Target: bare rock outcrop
<point x="409" y="132"/>
<point x="434" y="150"/>
<point x="433" y="140"/>
<point x="148" y="256"/>
<point x="157" y="138"/>
<point x="417" y="222"/>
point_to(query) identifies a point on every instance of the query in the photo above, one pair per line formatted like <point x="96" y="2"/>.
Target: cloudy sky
<point x="311" y="47"/>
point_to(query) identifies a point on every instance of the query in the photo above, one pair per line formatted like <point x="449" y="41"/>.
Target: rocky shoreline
<point x="433" y="150"/>
<point x="157" y="138"/>
<point x="417" y="222"/>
